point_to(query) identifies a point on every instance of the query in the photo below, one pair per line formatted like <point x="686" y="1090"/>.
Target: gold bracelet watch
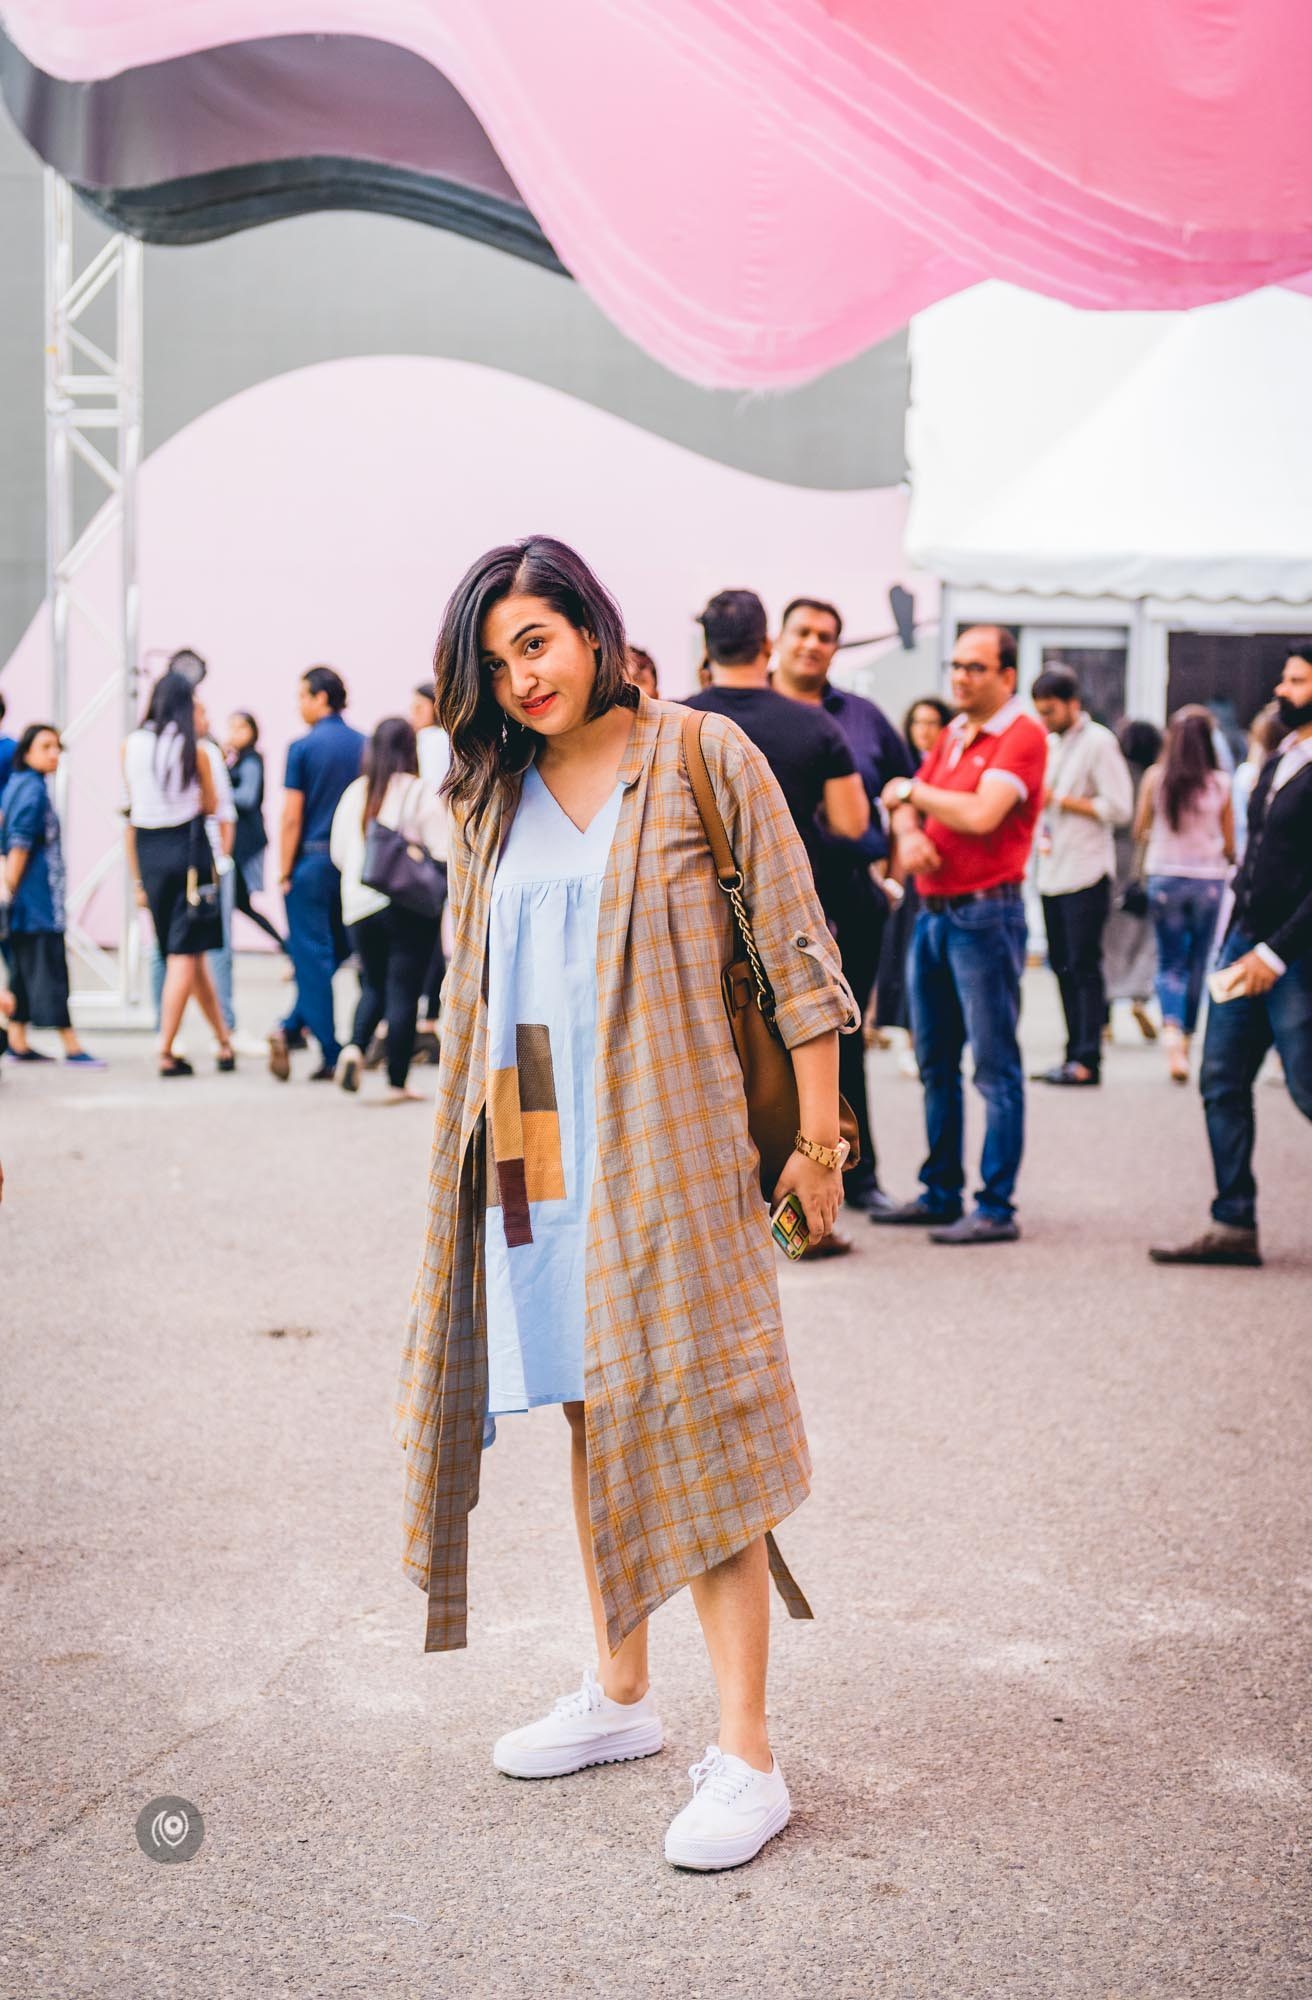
<point x="824" y="1156"/>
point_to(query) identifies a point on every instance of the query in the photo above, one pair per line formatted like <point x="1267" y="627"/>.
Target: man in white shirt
<point x="1089" y="793"/>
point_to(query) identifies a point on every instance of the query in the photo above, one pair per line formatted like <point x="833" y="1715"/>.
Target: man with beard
<point x="855" y="905"/>
<point x="1263" y="990"/>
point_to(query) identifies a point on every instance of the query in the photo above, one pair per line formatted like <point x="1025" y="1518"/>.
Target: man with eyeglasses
<point x="964" y="827"/>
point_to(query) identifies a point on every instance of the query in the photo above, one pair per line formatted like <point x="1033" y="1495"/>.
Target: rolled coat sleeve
<point x="800" y="957"/>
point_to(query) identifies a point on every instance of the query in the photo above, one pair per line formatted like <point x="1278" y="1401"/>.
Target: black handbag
<point x="204" y="914"/>
<point x="403" y="870"/>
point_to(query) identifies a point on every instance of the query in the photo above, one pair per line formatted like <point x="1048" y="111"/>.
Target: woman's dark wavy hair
<point x="1188" y="759"/>
<point x="173" y="701"/>
<point x="489" y="752"/>
<point x="390" y="749"/>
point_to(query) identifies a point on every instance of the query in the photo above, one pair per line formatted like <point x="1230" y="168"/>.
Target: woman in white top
<point x="394" y="944"/>
<point x="1186" y="817"/>
<point x="170" y="792"/>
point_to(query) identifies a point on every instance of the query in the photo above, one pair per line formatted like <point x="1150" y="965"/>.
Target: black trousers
<point x="38" y="977"/>
<point x="1075" y="924"/>
<point x="858" y="919"/>
<point x="394" y="948"/>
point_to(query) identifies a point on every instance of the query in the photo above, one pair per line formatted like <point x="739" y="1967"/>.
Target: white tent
<point x="1127" y="454"/>
<point x="1131" y="491"/>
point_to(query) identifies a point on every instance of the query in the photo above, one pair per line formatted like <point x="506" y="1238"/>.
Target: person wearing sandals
<point x="596" y="1232"/>
<point x="32" y="882"/>
<point x="170" y="792"/>
<point x="394" y="945"/>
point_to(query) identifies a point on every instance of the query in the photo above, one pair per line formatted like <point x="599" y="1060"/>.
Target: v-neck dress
<point x="541" y="1096"/>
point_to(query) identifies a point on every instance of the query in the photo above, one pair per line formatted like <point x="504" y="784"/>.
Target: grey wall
<point x="221" y="317"/>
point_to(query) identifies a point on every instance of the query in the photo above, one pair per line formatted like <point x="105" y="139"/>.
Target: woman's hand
<point x="819" y="1189"/>
<point x="139" y="891"/>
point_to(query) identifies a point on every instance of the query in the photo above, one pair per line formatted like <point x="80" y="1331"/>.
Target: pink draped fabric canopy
<point x="755" y="191"/>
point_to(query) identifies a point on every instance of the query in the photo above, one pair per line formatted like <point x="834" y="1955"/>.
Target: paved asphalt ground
<point x="1048" y="1733"/>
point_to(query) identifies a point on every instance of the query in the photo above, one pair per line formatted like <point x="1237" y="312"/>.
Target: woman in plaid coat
<point x="687" y="1440"/>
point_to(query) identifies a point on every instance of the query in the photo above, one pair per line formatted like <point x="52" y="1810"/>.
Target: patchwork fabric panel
<point x="523" y="1132"/>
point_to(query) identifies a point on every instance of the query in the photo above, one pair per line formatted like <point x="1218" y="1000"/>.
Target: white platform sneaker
<point x="583" y="1728"/>
<point x="733" y="1811"/>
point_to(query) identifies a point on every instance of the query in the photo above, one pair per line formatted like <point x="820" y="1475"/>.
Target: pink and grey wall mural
<point x="752" y="190"/>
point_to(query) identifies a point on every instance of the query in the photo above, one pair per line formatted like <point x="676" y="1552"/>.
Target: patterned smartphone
<point x="788" y="1227"/>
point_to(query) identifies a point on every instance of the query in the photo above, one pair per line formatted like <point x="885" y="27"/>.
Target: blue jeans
<point x="219" y="962"/>
<point x="964" y="970"/>
<point x="1239" y="1033"/>
<point x="316" y="940"/>
<point x="1184" y="914"/>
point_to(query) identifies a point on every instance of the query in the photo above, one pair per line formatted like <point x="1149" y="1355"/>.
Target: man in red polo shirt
<point x="964" y="828"/>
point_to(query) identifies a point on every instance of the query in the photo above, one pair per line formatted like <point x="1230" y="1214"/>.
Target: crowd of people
<point x="920" y="838"/>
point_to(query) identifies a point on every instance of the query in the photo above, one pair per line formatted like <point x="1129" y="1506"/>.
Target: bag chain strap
<point x="733" y="889"/>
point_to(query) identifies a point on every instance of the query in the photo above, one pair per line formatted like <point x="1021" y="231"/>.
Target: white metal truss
<point x="93" y="420"/>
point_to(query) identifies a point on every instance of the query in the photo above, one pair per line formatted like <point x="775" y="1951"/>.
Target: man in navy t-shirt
<point x="854" y="904"/>
<point x="807" y="753"/>
<point x="320" y="765"/>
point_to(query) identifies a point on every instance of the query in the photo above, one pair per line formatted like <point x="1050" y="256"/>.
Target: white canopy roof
<point x="1119" y="454"/>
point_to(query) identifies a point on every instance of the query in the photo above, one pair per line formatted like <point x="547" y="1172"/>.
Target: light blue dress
<point x="541" y="1097"/>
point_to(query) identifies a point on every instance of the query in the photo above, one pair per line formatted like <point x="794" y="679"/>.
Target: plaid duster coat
<point x="695" y="1439"/>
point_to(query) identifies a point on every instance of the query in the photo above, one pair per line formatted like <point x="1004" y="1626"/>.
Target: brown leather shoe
<point x="280" y="1062"/>
<point x="833" y="1245"/>
<point x="1221" y="1244"/>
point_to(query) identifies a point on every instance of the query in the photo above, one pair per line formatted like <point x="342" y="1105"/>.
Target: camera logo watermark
<point x="169" y="1829"/>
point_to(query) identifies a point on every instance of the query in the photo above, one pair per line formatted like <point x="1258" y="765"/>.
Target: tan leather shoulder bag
<point x="768" y="1080"/>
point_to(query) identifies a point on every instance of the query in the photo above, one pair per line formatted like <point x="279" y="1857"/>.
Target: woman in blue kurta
<point x="33" y="871"/>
